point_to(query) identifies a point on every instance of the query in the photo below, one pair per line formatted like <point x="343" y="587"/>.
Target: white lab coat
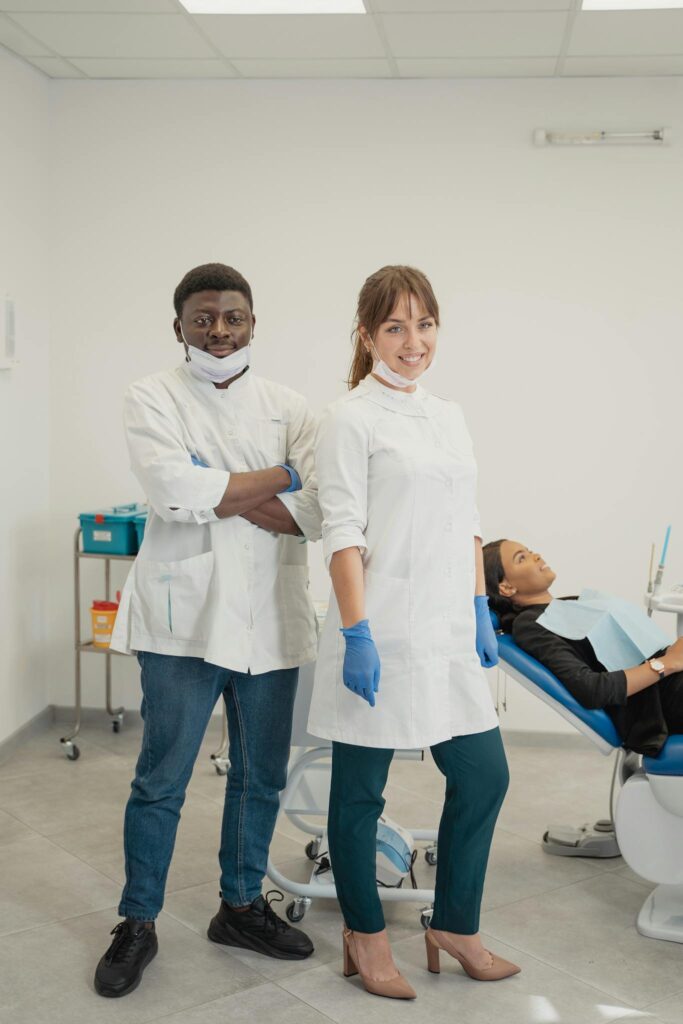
<point x="223" y="590"/>
<point x="397" y="479"/>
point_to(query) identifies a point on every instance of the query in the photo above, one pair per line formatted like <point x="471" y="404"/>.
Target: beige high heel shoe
<point x="394" y="988"/>
<point x="499" y="969"/>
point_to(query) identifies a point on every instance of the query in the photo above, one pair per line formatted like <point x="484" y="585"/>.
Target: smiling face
<point x="406" y="340"/>
<point x="527" y="576"/>
<point x="216" y="322"/>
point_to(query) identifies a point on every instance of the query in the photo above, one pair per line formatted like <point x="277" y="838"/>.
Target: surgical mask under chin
<point x="389" y="376"/>
<point x="214" y="369"/>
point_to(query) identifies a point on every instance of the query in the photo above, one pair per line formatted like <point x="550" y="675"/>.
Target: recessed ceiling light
<point x="629" y="5"/>
<point x="274" y="6"/>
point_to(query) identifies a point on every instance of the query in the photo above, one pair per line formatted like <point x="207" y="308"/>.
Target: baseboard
<point x="39" y="723"/>
<point x="97" y="715"/>
<point x="553" y="740"/>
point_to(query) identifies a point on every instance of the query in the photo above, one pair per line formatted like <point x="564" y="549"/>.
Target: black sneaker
<point x="120" y="969"/>
<point x="259" y="928"/>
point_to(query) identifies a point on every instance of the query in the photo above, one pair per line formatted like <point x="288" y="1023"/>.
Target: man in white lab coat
<point x="216" y="605"/>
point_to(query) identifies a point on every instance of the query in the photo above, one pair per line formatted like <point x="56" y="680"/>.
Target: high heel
<point x="393" y="988"/>
<point x="499" y="969"/>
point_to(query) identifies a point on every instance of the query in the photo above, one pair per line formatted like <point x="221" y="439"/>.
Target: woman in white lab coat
<point x="401" y="655"/>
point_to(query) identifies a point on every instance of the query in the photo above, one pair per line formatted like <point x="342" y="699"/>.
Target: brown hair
<point x="377" y="299"/>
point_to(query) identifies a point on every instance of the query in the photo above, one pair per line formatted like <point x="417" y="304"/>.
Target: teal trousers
<point x="476" y="774"/>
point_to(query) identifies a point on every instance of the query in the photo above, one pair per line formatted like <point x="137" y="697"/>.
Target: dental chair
<point x="647" y="825"/>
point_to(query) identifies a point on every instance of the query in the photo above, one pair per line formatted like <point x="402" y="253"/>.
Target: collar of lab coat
<point x="211" y="393"/>
<point x="407" y="403"/>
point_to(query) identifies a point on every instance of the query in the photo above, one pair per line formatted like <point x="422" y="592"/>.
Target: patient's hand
<point x="673" y="659"/>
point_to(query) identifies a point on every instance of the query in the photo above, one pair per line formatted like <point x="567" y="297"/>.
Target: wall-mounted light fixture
<point x="654" y="137"/>
<point x="7" y="350"/>
<point x="274" y="6"/>
<point x="630" y="5"/>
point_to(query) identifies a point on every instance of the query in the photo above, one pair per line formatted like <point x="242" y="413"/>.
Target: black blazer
<point x="639" y="720"/>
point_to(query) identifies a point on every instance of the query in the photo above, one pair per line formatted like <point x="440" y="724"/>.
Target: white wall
<point x="24" y="394"/>
<point x="558" y="272"/>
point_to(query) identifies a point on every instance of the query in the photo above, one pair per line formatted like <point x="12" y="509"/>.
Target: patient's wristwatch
<point x="657" y="666"/>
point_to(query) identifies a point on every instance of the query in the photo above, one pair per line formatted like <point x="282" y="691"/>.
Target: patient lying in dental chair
<point x="645" y="700"/>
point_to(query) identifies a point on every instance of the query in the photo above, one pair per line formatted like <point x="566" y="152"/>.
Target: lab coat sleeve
<point x="341" y="460"/>
<point x="477" y="524"/>
<point x="303" y="505"/>
<point x="177" y="490"/>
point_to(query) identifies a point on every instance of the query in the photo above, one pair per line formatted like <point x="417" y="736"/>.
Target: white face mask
<point x="214" y="369"/>
<point x="389" y="376"/>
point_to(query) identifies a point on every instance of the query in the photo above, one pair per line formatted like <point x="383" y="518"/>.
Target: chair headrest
<point x="495" y="620"/>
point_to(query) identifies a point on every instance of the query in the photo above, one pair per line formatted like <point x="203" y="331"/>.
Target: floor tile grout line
<point x="13" y="816"/>
<point x="81" y="860"/>
<point x="547" y="892"/>
<point x="305" y="1001"/>
<point x="56" y="920"/>
<point x="673" y="995"/>
<point x="568" y="974"/>
<point x="560" y="970"/>
<point x="198" y="1006"/>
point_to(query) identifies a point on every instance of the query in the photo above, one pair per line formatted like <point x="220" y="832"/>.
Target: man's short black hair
<point x="211" y="277"/>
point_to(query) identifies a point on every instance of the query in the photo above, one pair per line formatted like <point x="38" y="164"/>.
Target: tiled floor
<point x="569" y="923"/>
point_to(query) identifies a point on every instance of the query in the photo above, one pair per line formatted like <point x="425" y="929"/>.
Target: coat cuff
<point x="341" y="538"/>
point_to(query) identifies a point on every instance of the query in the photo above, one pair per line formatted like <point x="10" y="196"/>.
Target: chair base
<point x="661" y="915"/>
<point x="597" y="840"/>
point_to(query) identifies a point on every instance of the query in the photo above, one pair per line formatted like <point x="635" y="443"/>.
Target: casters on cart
<point x="426" y="917"/>
<point x="313" y="848"/>
<point x="221" y="764"/>
<point x="296" y="910"/>
<point x="430" y="855"/>
<point x="70" y="749"/>
<point x="117" y="722"/>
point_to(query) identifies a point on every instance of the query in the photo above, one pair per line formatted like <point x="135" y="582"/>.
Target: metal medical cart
<point x="87" y="646"/>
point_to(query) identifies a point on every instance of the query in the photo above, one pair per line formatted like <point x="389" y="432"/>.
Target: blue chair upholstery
<point x="669" y="761"/>
<point x="596" y="719"/>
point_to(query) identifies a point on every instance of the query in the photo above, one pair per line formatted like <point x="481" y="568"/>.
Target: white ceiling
<point x="396" y="39"/>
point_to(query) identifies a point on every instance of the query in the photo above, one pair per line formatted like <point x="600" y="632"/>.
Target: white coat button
<point x="246" y="547"/>
<point x="449" y="525"/>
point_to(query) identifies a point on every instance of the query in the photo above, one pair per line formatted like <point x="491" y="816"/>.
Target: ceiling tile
<point x="478" y="67"/>
<point x="588" y="67"/>
<point x="474" y="35"/>
<point x="18" y="41"/>
<point x="616" y="33"/>
<point x="117" y="35"/>
<point x="292" y="35"/>
<point x="79" y="6"/>
<point x="472" y="6"/>
<point x="370" y="68"/>
<point x="117" y="68"/>
<point x="55" y="67"/>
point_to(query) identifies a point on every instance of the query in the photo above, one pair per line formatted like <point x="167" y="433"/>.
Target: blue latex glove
<point x="196" y="461"/>
<point x="295" y="484"/>
<point x="487" y="645"/>
<point x="361" y="662"/>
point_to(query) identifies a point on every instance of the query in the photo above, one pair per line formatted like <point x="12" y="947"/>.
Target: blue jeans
<point x="179" y="695"/>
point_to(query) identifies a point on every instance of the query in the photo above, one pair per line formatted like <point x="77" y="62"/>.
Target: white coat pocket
<point x="170" y="598"/>
<point x="387" y="608"/>
<point x="296" y="608"/>
<point x="269" y="438"/>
